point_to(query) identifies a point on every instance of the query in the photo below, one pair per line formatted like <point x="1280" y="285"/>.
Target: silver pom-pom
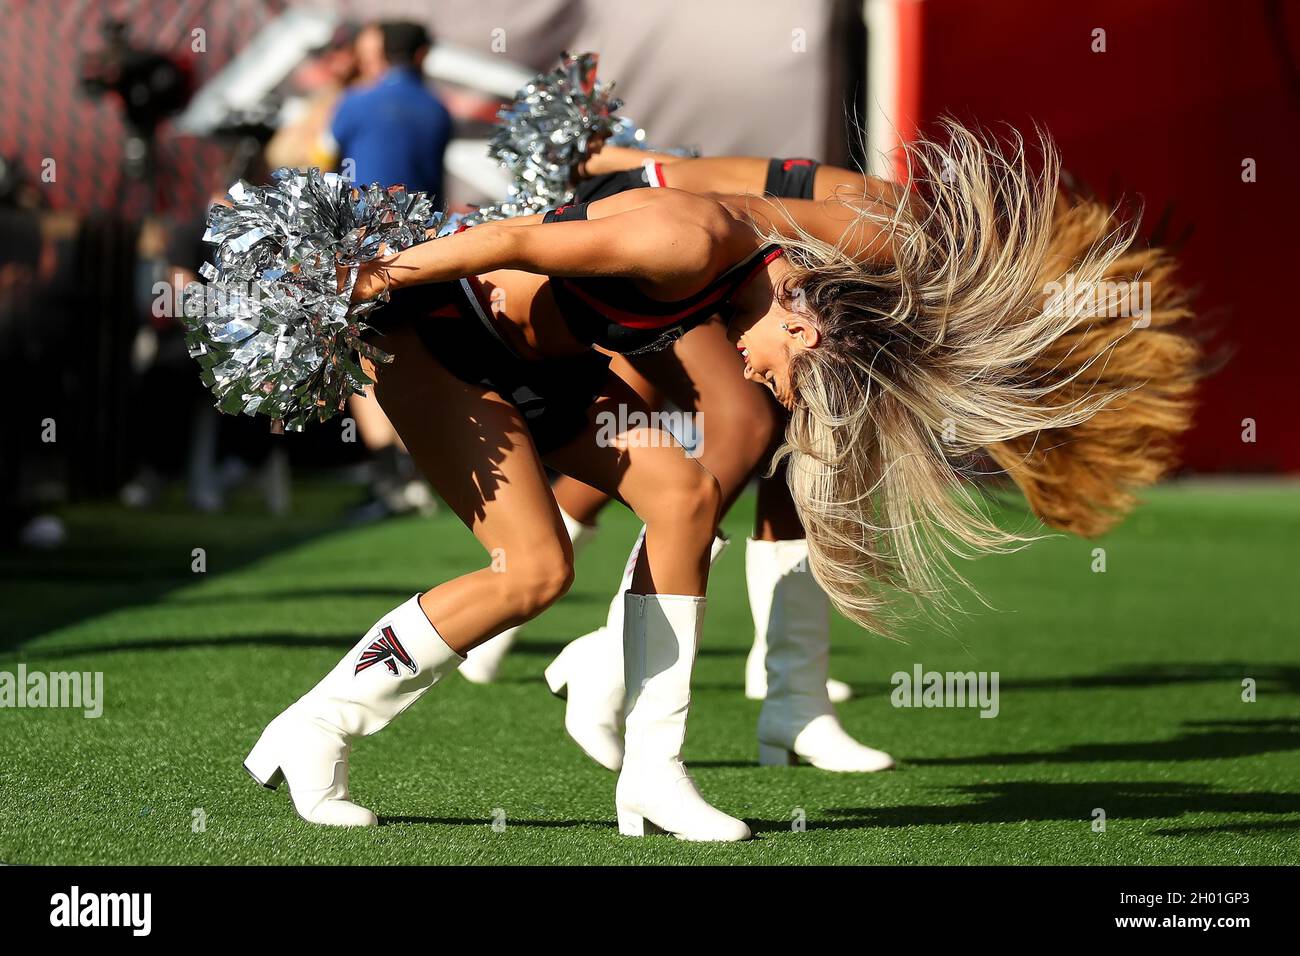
<point x="276" y="336"/>
<point x="545" y="134"/>
<point x="550" y="127"/>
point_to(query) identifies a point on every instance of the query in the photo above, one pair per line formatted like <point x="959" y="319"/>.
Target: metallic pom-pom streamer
<point x="546" y="133"/>
<point x="276" y="336"/>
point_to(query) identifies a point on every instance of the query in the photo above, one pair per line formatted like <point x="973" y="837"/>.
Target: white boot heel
<point x="263" y="765"/>
<point x="557" y="676"/>
<point x="770" y="756"/>
<point x="634" y="824"/>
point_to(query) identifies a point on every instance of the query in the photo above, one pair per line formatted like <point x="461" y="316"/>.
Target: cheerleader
<point x="900" y="335"/>
<point x="741" y="425"/>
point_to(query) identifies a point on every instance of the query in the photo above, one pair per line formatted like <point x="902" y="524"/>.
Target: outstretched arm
<point x="736" y="175"/>
<point x="833" y="214"/>
<point x="670" y="240"/>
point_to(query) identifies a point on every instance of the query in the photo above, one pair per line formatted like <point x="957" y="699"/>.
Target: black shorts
<point x="610" y="184"/>
<point x="791" y="178"/>
<point x="554" y="395"/>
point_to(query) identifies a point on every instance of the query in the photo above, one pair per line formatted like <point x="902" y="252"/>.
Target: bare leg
<point x="650" y="472"/>
<point x="775" y="518"/>
<point x="372" y="424"/>
<point x="656" y="646"/>
<point x="477" y="453"/>
<point x="703" y="374"/>
<point x="578" y="499"/>
<point x="739" y="419"/>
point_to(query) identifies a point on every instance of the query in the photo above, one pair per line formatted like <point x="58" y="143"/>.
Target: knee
<point x="533" y="581"/>
<point x="691" y="500"/>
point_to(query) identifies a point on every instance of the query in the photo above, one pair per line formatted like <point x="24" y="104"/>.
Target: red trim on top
<point x="634" y="320"/>
<point x="771" y="257"/>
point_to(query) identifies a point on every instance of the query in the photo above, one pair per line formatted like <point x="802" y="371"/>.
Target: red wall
<point x="1186" y="90"/>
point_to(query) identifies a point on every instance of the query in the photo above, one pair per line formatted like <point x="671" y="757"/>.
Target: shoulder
<point x="713" y="234"/>
<point x="697" y="236"/>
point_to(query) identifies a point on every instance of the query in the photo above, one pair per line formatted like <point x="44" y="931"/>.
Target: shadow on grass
<point x="1200" y="740"/>
<point x="117" y="558"/>
<point x="391" y="592"/>
<point x="232" y="641"/>
<point x="480" y="822"/>
<point x="1245" y="828"/>
<point x="1033" y="801"/>
<point x="1274" y="677"/>
<point x="549" y="648"/>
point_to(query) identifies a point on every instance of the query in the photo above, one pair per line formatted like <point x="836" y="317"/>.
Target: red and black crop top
<point x="613" y="313"/>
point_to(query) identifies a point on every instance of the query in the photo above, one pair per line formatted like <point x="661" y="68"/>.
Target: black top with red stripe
<point x="612" y="313"/>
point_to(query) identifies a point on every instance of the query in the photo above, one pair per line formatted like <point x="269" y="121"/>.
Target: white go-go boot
<point x="655" y="794"/>
<point x="762" y="574"/>
<point x="588" y="674"/>
<point x="798" y="720"/>
<point x="307" y="746"/>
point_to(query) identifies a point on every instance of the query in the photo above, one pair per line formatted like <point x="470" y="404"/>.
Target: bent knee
<point x="692" y="497"/>
<point x="533" y="583"/>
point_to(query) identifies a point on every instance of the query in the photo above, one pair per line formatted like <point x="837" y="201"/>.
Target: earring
<point x="785" y="327"/>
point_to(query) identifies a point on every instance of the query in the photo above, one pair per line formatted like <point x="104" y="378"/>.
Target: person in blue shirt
<point x="391" y="130"/>
<point x="395" y="130"/>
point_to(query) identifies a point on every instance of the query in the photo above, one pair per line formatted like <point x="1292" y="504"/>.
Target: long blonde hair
<point x="997" y="327"/>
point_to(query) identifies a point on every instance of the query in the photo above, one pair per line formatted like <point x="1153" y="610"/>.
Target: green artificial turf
<point x="1119" y="690"/>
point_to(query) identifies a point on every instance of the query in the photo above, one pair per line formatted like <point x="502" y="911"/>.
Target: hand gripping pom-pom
<point x="276" y="336"/>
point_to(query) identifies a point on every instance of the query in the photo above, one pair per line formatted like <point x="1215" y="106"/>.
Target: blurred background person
<point x="304" y="137"/>
<point x="390" y="128"/>
<point x="394" y="129"/>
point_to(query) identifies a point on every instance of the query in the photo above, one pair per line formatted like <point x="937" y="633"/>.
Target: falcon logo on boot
<point x="386" y="650"/>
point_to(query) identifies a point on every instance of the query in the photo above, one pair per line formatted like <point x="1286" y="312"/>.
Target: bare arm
<point x="833" y="215"/>
<point x="670" y="241"/>
<point x="838" y="222"/>
<point x="737" y="175"/>
<point x="615" y="159"/>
